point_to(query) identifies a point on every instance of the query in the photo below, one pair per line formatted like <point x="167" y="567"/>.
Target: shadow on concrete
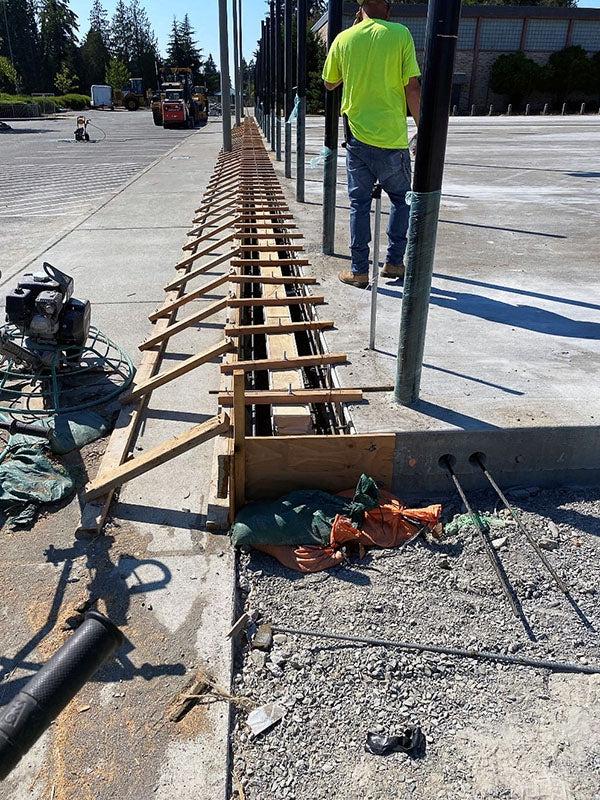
<point x="109" y="583"/>
<point x="500" y="228"/>
<point x="584" y="174"/>
<point x="530" y="318"/>
<point x="12" y="131"/>
<point x="178" y="416"/>
<point x="525" y="292"/>
<point x="475" y="380"/>
<point x="462" y="421"/>
<point x="175" y="518"/>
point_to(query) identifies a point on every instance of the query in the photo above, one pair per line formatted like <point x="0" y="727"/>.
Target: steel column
<point x="289" y="82"/>
<point x="225" y="83"/>
<point x="440" y="46"/>
<point x="301" y="33"/>
<point x="332" y="115"/>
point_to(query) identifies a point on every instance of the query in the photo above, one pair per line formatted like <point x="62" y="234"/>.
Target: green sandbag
<point x="303" y="517"/>
<point x="73" y="431"/>
<point x="28" y="479"/>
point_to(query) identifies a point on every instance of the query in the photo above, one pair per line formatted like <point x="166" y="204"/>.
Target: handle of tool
<point x="33" y="709"/>
<point x="375" y="278"/>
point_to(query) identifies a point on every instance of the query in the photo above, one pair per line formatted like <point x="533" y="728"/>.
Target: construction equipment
<point x="81" y="134"/>
<point x="43" y="310"/>
<point x="132" y="94"/>
<point x="178" y="103"/>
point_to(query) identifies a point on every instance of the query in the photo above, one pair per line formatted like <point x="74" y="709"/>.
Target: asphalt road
<point x="49" y="182"/>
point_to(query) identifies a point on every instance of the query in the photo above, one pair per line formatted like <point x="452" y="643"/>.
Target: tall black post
<point x="332" y="116"/>
<point x="442" y="33"/>
<point x="225" y="84"/>
<point x="301" y="31"/>
<point x="278" y="75"/>
<point x="289" y="82"/>
<point x="272" y="75"/>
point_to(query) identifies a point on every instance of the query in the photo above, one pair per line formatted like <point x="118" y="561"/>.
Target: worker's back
<point x="375" y="59"/>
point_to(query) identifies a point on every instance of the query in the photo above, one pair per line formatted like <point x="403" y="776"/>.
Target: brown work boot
<point x="360" y="281"/>
<point x="393" y="271"/>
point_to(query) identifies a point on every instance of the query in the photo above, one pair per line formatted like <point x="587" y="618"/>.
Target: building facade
<point x="487" y="32"/>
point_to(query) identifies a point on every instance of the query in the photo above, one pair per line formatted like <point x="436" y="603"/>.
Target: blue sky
<point x="203" y="14"/>
<point x="204" y="17"/>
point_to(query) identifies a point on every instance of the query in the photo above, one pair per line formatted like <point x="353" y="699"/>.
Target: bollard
<point x="42" y="699"/>
<point x="527" y="109"/>
<point x="453" y="111"/>
<point x="545" y="111"/>
<point x="491" y="111"/>
<point x="563" y="110"/>
<point x="509" y="109"/>
<point x="473" y="111"/>
<point x="582" y="109"/>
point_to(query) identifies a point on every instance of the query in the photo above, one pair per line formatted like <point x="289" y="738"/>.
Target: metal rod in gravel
<point x="459" y="652"/>
<point x="498" y="569"/>
<point x="476" y="459"/>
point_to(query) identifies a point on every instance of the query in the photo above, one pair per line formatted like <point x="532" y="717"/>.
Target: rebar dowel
<point x="485" y="540"/>
<point x="557" y="579"/>
<point x="375" y="277"/>
<point x="33" y="709"/>
<point x="458" y="652"/>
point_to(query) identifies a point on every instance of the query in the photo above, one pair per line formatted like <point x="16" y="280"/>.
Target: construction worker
<point x="375" y="61"/>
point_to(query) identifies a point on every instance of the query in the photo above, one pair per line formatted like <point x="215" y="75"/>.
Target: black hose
<point x="33" y="709"/>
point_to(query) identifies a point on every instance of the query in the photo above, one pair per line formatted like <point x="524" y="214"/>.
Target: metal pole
<point x="236" y="63"/>
<point x="332" y="114"/>
<point x="225" y="84"/>
<point x="289" y="82"/>
<point x="241" y="57"/>
<point x="272" y="75"/>
<point x="278" y="77"/>
<point x="301" y="26"/>
<point x="266" y="84"/>
<point x="375" y="278"/>
<point x="442" y="32"/>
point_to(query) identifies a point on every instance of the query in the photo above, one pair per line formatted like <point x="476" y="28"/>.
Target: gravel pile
<point x="492" y="730"/>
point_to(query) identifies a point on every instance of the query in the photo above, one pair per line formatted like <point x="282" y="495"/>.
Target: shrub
<point x="76" y="102"/>
<point x="8" y="75"/>
<point x="516" y="76"/>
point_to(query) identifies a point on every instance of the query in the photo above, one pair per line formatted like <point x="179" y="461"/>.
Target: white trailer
<point x="102" y="97"/>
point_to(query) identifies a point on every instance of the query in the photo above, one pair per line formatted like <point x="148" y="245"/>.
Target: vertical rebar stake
<point x="375" y="278"/>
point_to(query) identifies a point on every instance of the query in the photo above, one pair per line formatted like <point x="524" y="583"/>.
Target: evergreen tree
<point x="212" y="76"/>
<point x="99" y="22"/>
<point x="191" y="54"/>
<point x="175" y="48"/>
<point x="21" y="43"/>
<point x="58" y="34"/>
<point x="144" y="46"/>
<point x="9" y="80"/>
<point x="120" y="34"/>
<point x="94" y="59"/>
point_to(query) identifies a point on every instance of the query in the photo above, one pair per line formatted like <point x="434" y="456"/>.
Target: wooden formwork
<point x="243" y="223"/>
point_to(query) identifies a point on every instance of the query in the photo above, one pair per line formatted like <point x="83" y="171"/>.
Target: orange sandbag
<point x="389" y="525"/>
<point x="303" y="559"/>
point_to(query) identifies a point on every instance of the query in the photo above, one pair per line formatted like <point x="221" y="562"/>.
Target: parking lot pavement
<point x="49" y="183"/>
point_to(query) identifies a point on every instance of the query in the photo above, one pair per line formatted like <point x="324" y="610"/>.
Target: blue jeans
<point x="366" y="165"/>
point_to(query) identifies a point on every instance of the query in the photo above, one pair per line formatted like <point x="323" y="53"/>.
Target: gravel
<point x="492" y="730"/>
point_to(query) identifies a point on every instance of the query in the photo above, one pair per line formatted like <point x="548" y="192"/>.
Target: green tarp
<point x="303" y="517"/>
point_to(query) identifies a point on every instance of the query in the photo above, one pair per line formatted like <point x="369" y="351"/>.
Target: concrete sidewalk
<point x="167" y="583"/>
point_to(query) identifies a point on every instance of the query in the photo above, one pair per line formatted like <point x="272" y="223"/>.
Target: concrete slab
<point x="514" y="321"/>
<point x="165" y="581"/>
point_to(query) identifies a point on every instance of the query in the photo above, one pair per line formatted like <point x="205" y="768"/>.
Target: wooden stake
<point x="239" y="434"/>
<point x="156" y="456"/>
<point x="286" y="327"/>
<point x="297" y="362"/>
<point x="298" y="397"/>
<point x="177" y="327"/>
<point x="183" y="368"/>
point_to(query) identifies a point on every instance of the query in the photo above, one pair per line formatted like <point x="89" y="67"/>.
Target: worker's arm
<point x="332" y="70"/>
<point x="413" y="98"/>
<point x="331" y="86"/>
